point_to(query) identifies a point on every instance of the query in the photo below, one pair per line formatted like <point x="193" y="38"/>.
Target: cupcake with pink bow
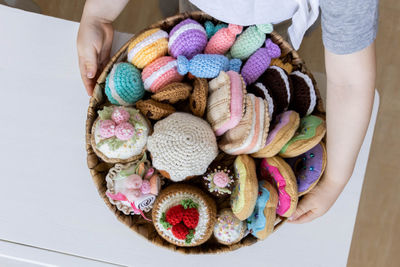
<point x="119" y="134"/>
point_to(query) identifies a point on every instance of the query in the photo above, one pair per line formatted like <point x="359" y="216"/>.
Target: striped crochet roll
<point x="147" y="47"/>
<point x="187" y="38"/>
<point x="223" y="39"/>
<point x="160" y="73"/>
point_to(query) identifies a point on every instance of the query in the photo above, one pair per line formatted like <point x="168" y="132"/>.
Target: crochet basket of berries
<point x="202" y="136"/>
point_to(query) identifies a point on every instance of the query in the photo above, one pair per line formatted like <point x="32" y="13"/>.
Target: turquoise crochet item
<point x="211" y="29"/>
<point x="207" y="65"/>
<point x="250" y="40"/>
<point x="124" y="85"/>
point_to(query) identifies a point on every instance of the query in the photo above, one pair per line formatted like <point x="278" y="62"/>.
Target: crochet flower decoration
<point x="219" y="180"/>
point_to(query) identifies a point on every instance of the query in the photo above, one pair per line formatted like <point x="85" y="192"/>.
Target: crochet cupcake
<point x="182" y="146"/>
<point x="147" y="47"/>
<point x="124" y="85"/>
<point x="304" y="96"/>
<point x="228" y="229"/>
<point x="184" y="215"/>
<point x="223" y="39"/>
<point x="160" y="73"/>
<point x="119" y="134"/>
<point x="219" y="180"/>
<point x="187" y="38"/>
<point x="250" y="40"/>
<point x="133" y="187"/>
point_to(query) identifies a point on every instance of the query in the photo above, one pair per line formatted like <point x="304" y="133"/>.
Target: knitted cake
<point x="182" y="146"/>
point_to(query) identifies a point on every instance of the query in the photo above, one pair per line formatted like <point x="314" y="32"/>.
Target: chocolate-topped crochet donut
<point x="304" y="98"/>
<point x="277" y="80"/>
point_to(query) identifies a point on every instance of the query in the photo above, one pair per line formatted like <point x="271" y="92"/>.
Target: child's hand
<point x="94" y="45"/>
<point x="317" y="202"/>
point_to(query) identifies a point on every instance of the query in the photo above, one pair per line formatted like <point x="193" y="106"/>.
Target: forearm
<point x="350" y="92"/>
<point x="104" y="10"/>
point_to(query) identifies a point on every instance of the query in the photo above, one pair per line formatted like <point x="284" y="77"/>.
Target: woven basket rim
<point x="98" y="168"/>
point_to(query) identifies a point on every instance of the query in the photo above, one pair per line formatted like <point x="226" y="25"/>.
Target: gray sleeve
<point x="348" y="26"/>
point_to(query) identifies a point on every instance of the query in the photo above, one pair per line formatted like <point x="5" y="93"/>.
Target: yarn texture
<point x="211" y="29"/>
<point x="223" y="39"/>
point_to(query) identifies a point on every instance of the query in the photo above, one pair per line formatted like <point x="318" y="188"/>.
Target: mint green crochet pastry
<point x="250" y="40"/>
<point x="124" y="85"/>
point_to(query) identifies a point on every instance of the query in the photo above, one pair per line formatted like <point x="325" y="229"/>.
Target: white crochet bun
<point x="182" y="145"/>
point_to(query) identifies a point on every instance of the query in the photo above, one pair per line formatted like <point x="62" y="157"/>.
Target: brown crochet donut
<point x="173" y="93"/>
<point x="154" y="110"/>
<point x="198" y="99"/>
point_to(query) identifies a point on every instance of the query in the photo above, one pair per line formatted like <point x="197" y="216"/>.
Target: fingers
<point x="88" y="67"/>
<point x="304" y="212"/>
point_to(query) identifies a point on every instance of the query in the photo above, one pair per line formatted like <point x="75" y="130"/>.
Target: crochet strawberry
<point x="191" y="218"/>
<point x="180" y="231"/>
<point x="175" y="215"/>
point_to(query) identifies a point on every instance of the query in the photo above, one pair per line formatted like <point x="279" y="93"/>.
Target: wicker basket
<point x="99" y="169"/>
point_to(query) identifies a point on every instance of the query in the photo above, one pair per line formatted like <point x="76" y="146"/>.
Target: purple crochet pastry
<point x="308" y="167"/>
<point x="258" y="63"/>
<point x="187" y="38"/>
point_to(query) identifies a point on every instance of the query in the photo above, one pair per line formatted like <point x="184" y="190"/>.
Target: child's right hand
<point x="94" y="45"/>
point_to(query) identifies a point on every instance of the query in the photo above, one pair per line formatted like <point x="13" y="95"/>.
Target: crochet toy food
<point x="212" y="29"/>
<point x="159" y="73"/>
<point x="219" y="181"/>
<point x="198" y="99"/>
<point x="244" y="195"/>
<point x="147" y="47"/>
<point x="250" y="134"/>
<point x="173" y="93"/>
<point x="310" y="132"/>
<point x="175" y="149"/>
<point x="119" y="134"/>
<point x="262" y="220"/>
<point x="304" y="97"/>
<point x="187" y="38"/>
<point x="133" y="187"/>
<point x="279" y="63"/>
<point x="124" y="85"/>
<point x="226" y="103"/>
<point x="223" y="39"/>
<point x="278" y="82"/>
<point x="207" y="66"/>
<point x="258" y="62"/>
<point x="260" y="90"/>
<point x="308" y="168"/>
<point x="184" y="215"/>
<point x="285" y="127"/>
<point x="154" y="110"/>
<point x="250" y="40"/>
<point x="276" y="170"/>
<point x="228" y="229"/>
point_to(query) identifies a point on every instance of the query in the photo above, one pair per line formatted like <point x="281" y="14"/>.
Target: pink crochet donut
<point x="223" y="39"/>
<point x="159" y="73"/>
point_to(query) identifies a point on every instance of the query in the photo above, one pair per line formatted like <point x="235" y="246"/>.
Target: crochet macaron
<point x="258" y="62"/>
<point x="250" y="40"/>
<point x="147" y="47"/>
<point x="187" y="38"/>
<point x="175" y="146"/>
<point x="160" y="73"/>
<point x="211" y="29"/>
<point x="258" y="89"/>
<point x="223" y="39"/>
<point x="124" y="85"/>
<point x="207" y="65"/>
<point x="304" y="96"/>
<point x="226" y="103"/>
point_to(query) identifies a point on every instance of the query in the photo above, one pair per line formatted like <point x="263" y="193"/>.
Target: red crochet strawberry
<point x="180" y="231"/>
<point x="175" y="214"/>
<point x="191" y="218"/>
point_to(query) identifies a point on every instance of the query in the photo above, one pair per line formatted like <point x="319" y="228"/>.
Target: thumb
<point x="302" y="213"/>
<point x="90" y="63"/>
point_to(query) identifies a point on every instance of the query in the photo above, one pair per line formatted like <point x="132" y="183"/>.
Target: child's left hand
<point x="317" y="202"/>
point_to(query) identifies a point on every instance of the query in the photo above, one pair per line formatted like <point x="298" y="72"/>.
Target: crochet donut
<point x="228" y="229"/>
<point x="199" y="96"/>
<point x="173" y="93"/>
<point x="285" y="127"/>
<point x="154" y="110"/>
<point x="147" y="47"/>
<point x="159" y="73"/>
<point x="184" y="215"/>
<point x="262" y="220"/>
<point x="309" y="167"/>
<point x="304" y="97"/>
<point x="244" y="195"/>
<point x="310" y="132"/>
<point x="277" y="171"/>
<point x="226" y="103"/>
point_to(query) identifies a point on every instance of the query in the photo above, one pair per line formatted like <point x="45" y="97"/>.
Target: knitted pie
<point x="198" y="99"/>
<point x="184" y="215"/>
<point x="182" y="146"/>
<point x="154" y="110"/>
<point x="173" y="93"/>
<point x="228" y="229"/>
<point x="119" y="134"/>
<point x="304" y="97"/>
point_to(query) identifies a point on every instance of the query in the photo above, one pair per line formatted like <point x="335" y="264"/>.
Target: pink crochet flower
<point x="107" y="128"/>
<point x="221" y="179"/>
<point x="124" y="131"/>
<point x="146" y="187"/>
<point x="134" y="181"/>
<point x="120" y="115"/>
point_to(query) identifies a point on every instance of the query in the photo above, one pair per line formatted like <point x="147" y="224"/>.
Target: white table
<point x="50" y="210"/>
